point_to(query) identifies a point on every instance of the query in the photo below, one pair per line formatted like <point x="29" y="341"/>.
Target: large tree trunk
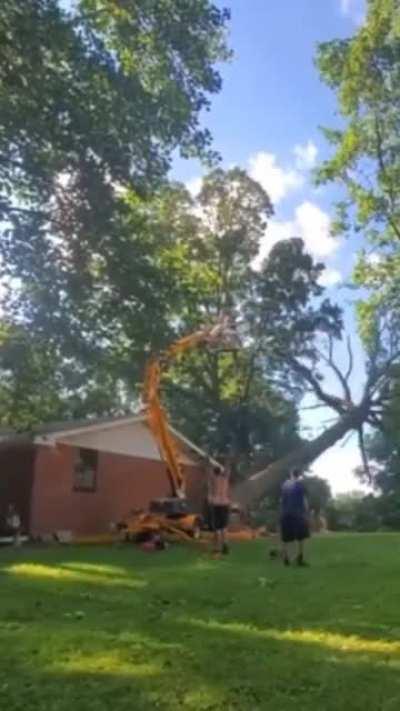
<point x="258" y="485"/>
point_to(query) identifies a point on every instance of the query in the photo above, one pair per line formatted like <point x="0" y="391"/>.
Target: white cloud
<point x="277" y="181"/>
<point x="306" y="155"/>
<point x="311" y="224"/>
<point x="314" y="227"/>
<point x="309" y="221"/>
<point x="194" y="186"/>
<point x="354" y="9"/>
<point x="330" y="277"/>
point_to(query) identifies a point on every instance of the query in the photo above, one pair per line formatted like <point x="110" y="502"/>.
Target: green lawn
<point x="90" y="629"/>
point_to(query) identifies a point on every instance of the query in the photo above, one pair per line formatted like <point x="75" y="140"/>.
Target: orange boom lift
<point x="171" y="515"/>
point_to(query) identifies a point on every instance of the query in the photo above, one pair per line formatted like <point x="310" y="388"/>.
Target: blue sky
<point x="267" y="119"/>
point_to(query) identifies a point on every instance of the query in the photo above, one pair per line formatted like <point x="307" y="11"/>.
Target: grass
<point x="90" y="629"/>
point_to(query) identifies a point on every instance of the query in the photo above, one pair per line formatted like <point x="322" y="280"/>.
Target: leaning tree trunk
<point x="258" y="485"/>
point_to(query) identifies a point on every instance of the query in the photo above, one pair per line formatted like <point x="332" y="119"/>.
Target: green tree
<point x="39" y="384"/>
<point x="94" y="101"/>
<point x="95" y="98"/>
<point x="319" y="494"/>
<point x="242" y="401"/>
<point x="383" y="447"/>
<point x="364" y="72"/>
<point x="345" y="511"/>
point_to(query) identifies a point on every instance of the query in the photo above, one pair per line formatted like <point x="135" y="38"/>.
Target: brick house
<point x="81" y="477"/>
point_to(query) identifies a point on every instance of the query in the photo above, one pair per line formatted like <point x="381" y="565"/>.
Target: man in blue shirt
<point x="294" y="517"/>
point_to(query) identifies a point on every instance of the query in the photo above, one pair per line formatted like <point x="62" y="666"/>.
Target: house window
<point x="85" y="470"/>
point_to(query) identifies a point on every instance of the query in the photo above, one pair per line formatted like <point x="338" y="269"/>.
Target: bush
<point x="354" y="512"/>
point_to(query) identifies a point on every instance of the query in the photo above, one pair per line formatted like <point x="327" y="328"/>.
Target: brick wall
<point x="123" y="483"/>
<point x="16" y="480"/>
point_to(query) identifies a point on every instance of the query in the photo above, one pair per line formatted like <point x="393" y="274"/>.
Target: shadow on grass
<point x="208" y="667"/>
<point x="201" y="636"/>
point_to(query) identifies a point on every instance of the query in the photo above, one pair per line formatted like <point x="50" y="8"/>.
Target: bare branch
<point x="317" y="406"/>
<point x="13" y="210"/>
<point x="351" y="359"/>
<point x="328" y="421"/>
<point x="250" y="375"/>
<point x="375" y="422"/>
<point x="382" y="400"/>
<point x="330" y="361"/>
<point x="305" y="372"/>
<point x="377" y="414"/>
<point x="347" y="439"/>
<point x="364" y="455"/>
<point x="331" y="347"/>
<point x="6" y="160"/>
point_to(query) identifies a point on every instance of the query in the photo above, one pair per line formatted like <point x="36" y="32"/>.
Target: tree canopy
<point x="94" y="101"/>
<point x="243" y="400"/>
<point x="364" y="72"/>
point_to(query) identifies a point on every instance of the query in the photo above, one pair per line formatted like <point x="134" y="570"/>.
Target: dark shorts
<point x="294" y="527"/>
<point x="219" y="517"/>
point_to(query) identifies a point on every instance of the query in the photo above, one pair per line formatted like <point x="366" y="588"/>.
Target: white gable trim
<point x="194" y="447"/>
<point x="95" y="427"/>
<point x="52" y="438"/>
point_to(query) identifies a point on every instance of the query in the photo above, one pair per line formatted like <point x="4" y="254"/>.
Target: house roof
<point x="10" y="438"/>
<point x="90" y="424"/>
<point x="52" y="431"/>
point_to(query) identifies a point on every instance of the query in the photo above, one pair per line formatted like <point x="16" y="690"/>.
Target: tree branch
<point x="350" y="354"/>
<point x="374" y="381"/>
<point x="347" y="439"/>
<point x="382" y="166"/>
<point x="374" y="421"/>
<point x="329" y="360"/>
<point x="317" y="406"/>
<point x="250" y="374"/>
<point x="364" y="455"/>
<point x="10" y="209"/>
<point x="5" y="160"/>
<point x="331" y="400"/>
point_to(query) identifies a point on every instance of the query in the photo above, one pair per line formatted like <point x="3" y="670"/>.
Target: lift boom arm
<point x="220" y="333"/>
